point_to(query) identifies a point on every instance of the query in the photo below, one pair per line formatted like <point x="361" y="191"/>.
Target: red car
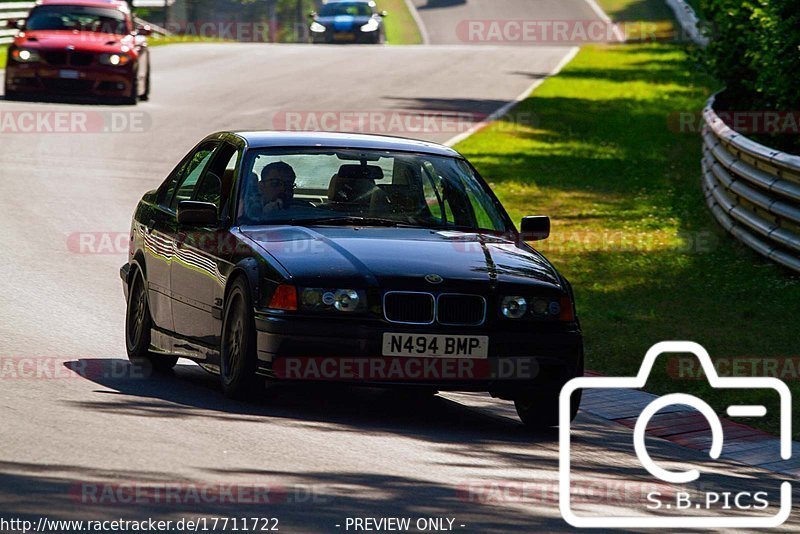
<point x="79" y="47"/>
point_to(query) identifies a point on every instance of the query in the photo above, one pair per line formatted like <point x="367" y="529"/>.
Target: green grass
<point x="631" y="229"/>
<point x="643" y="20"/>
<point x="176" y="39"/>
<point x="400" y="25"/>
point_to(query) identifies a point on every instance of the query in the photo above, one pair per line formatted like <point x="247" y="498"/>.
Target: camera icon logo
<point x="676" y="477"/>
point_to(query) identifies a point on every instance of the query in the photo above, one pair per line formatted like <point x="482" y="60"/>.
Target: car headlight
<point x="333" y="300"/>
<point x="25" y="55"/>
<point x="370" y="26"/>
<point x="316" y="27"/>
<point x="115" y="60"/>
<point x="514" y="307"/>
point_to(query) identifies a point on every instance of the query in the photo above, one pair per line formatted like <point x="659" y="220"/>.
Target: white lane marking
<point x="618" y="33"/>
<point x="747" y="411"/>
<point x="423" y="30"/>
<point x="505" y="109"/>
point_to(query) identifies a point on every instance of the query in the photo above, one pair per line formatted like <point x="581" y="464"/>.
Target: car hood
<point x="399" y="256"/>
<point x="343" y="22"/>
<point x="84" y="41"/>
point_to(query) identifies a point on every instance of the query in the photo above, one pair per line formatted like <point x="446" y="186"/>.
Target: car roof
<point x="113" y="4"/>
<point x="275" y="139"/>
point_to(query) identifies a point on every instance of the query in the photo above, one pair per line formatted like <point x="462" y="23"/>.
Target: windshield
<point x="79" y="18"/>
<point x="372" y="188"/>
<point x="355" y="9"/>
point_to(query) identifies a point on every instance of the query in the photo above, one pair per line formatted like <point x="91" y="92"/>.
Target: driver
<point x="275" y="190"/>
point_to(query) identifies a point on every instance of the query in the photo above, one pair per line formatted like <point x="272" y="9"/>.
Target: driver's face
<point x="276" y="185"/>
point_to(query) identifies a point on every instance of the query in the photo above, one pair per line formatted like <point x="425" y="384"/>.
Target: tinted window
<point x="190" y="173"/>
<point x="408" y="189"/>
<point x="216" y="185"/>
<point x="356" y="9"/>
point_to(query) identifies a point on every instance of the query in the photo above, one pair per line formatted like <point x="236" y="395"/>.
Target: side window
<point x="216" y="184"/>
<point x="168" y="188"/>
<point x="190" y="174"/>
<point x="434" y="192"/>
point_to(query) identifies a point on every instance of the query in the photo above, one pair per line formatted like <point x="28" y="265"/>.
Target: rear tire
<point x="137" y="330"/>
<point x="238" y="358"/>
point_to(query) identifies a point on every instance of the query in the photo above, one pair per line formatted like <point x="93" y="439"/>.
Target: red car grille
<point x="81" y="59"/>
<point x="55" y="58"/>
<point x="61" y="58"/>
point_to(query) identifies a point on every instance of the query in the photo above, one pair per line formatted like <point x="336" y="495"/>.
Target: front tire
<point x="539" y="411"/>
<point x="238" y="359"/>
<point x="133" y="98"/>
<point x="146" y="95"/>
<point x="11" y="95"/>
<point x="137" y="330"/>
<point x="538" y="408"/>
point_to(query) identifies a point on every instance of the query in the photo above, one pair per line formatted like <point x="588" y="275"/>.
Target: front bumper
<point x="96" y="81"/>
<point x="354" y="36"/>
<point x="335" y="350"/>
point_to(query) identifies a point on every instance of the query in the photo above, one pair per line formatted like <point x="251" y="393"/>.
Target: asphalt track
<point x="82" y="429"/>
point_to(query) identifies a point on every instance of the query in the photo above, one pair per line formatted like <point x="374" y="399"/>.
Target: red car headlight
<point x="25" y="55"/>
<point x="115" y="60"/>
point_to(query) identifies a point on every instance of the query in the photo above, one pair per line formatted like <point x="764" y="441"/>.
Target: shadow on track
<point x="192" y="393"/>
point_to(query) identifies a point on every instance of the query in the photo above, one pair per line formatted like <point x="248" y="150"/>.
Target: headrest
<point x="360" y="172"/>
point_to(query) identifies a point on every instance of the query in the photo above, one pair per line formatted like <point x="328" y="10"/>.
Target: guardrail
<point x="11" y="11"/>
<point x="753" y="190"/>
<point x="689" y="21"/>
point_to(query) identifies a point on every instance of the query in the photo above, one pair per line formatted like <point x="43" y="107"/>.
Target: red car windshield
<point x="80" y="18"/>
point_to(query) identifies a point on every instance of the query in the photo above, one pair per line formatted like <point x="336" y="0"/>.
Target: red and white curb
<point x="688" y="428"/>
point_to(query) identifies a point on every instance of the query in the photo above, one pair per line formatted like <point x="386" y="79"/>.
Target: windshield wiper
<point x="352" y="221"/>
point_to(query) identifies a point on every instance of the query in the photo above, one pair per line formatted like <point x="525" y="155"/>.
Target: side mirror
<point x="191" y="213"/>
<point x="144" y="30"/>
<point x="15" y="24"/>
<point x="535" y="228"/>
<point x="384" y="13"/>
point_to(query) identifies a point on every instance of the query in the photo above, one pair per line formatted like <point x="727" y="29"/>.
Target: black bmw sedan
<point x="347" y="258"/>
<point x="348" y="21"/>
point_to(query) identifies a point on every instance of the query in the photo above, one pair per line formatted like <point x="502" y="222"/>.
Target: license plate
<point x="436" y="346"/>
<point x="344" y="36"/>
<point x="68" y="74"/>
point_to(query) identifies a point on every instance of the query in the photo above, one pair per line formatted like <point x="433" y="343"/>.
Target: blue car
<point x="348" y="21"/>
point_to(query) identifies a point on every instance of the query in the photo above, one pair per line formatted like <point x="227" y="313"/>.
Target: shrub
<point x="755" y="51"/>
